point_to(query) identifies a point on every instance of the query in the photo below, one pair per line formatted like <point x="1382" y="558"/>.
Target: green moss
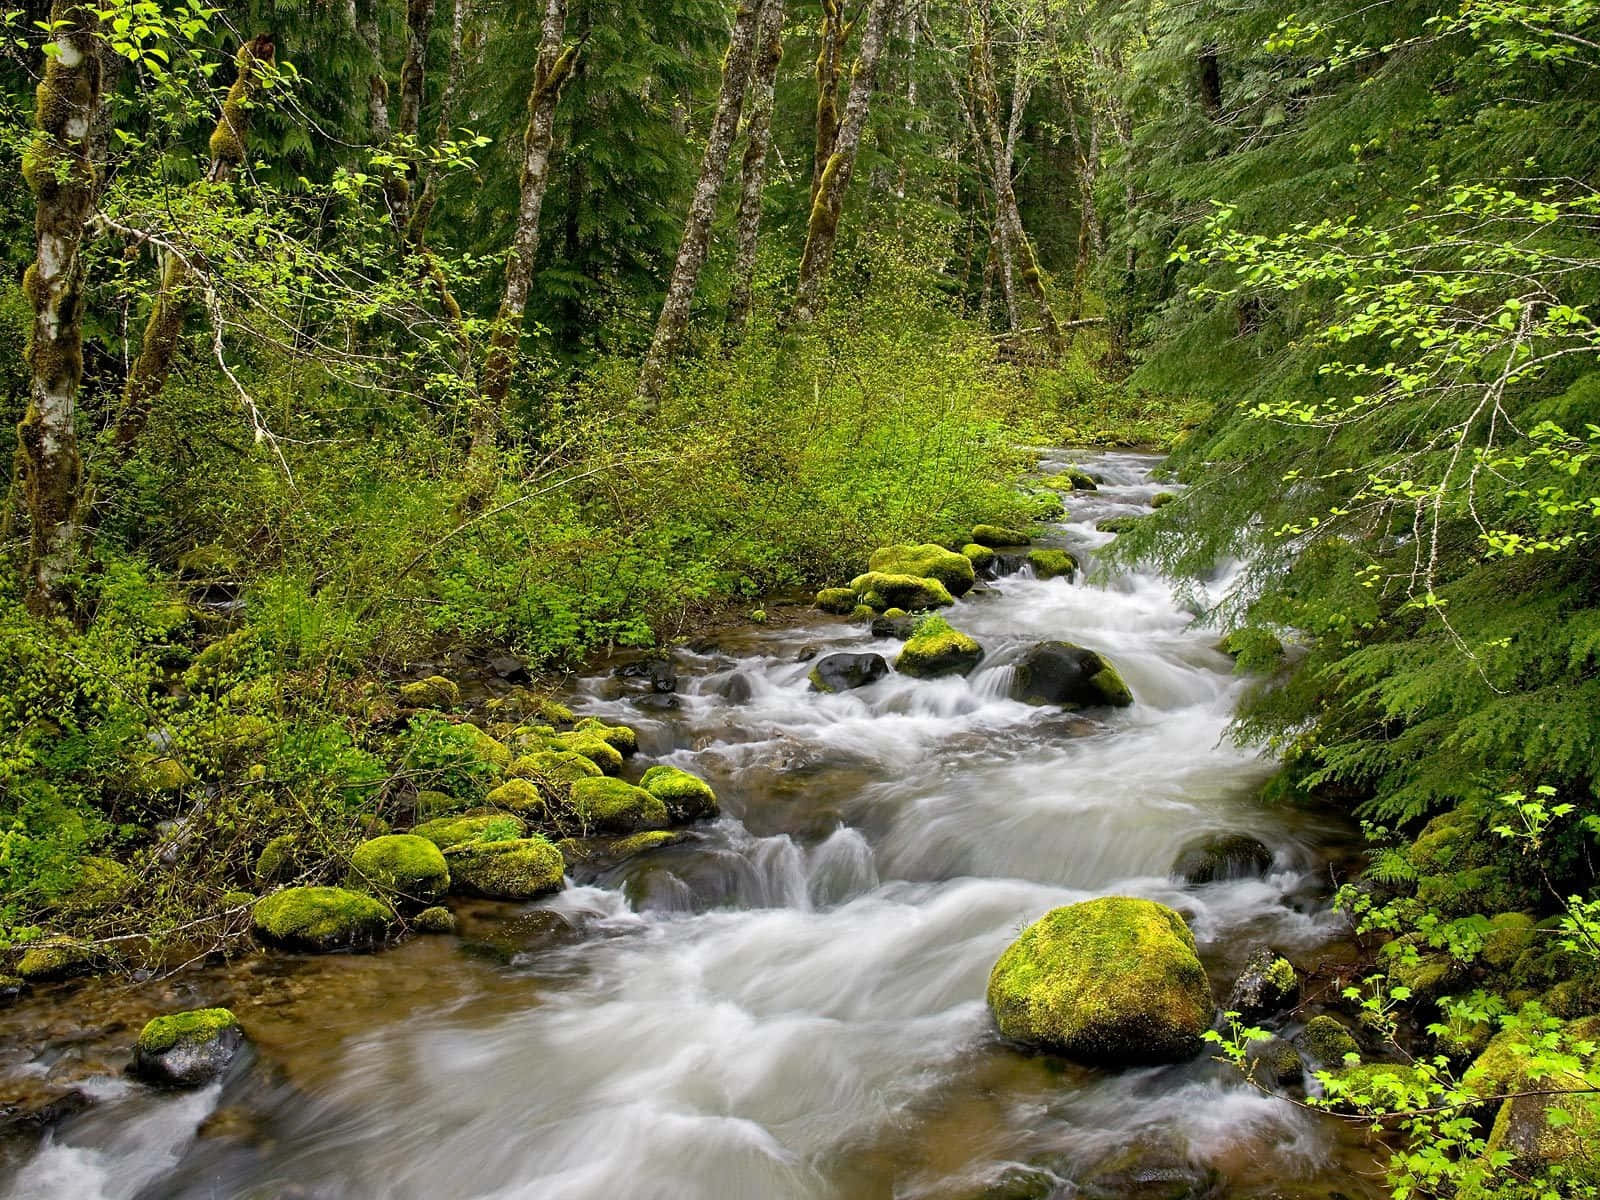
<point x="936" y="648"/>
<point x="222" y="658"/>
<point x="431" y="803"/>
<point x="198" y="1025"/>
<point x="895" y="613"/>
<point x="321" y="919"/>
<point x="687" y="797"/>
<point x="434" y="920"/>
<point x="1326" y="1041"/>
<point x="1118" y="524"/>
<point x="1510" y="935"/>
<point x="863" y="612"/>
<point x="1451" y="841"/>
<point x="999" y="535"/>
<point x="1109" y="980"/>
<point x="1252" y="645"/>
<point x="276" y="861"/>
<point x="1109" y="683"/>
<point x="54" y="959"/>
<point x="101" y="882"/>
<point x="554" y="766"/>
<point x="596" y="749"/>
<point x="233" y="901"/>
<point x="1048" y="564"/>
<point x="433" y="692"/>
<point x="619" y="737"/>
<point x="880" y="591"/>
<point x="401" y="864"/>
<point x="638" y="843"/>
<point x="1281" y="977"/>
<point x="489" y="827"/>
<point x="1071" y="480"/>
<point x="926" y="561"/>
<point x="839" y="601"/>
<point x="158" y="773"/>
<point x="979" y="556"/>
<point x="211" y="561"/>
<point x="518" y="796"/>
<point x="552" y="712"/>
<point x="1162" y="499"/>
<point x="612" y="806"/>
<point x="521" y="869"/>
<point x="1474" y="890"/>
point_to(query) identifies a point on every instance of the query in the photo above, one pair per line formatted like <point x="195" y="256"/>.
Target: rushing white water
<point x="791" y="1005"/>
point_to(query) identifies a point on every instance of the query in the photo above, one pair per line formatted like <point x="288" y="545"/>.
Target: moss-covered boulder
<point x="1162" y="499"/>
<point x="1273" y="1062"/>
<point x="434" y="920"/>
<point x="321" y="919"/>
<point x="54" y="959"/>
<point x="1218" y="856"/>
<point x="101" y="882"/>
<point x="1252" y="646"/>
<point x="401" y="865"/>
<point x="845" y="672"/>
<point x="981" y="557"/>
<point x="1068" y="675"/>
<point x="433" y="692"/>
<point x="518" y="796"/>
<point x="996" y="536"/>
<point x="937" y="648"/>
<point x="554" y="766"/>
<point x="1114" y="980"/>
<point x="612" y="806"/>
<point x="591" y="746"/>
<point x="1052" y="563"/>
<point x="187" y="1049"/>
<point x="1326" y="1041"/>
<point x="620" y="737"/>
<point x="1509" y="937"/>
<point x="520" y="869"/>
<point x="1118" y="524"/>
<point x="1044" y="506"/>
<point x="880" y="591"/>
<point x="838" y="600"/>
<point x="278" y="860"/>
<point x="158" y="774"/>
<point x="687" y="797"/>
<point x="484" y="745"/>
<point x="484" y="827"/>
<point x="926" y="561"/>
<point x="1267" y="985"/>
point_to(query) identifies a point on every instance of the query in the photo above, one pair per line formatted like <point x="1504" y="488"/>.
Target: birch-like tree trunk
<point x="835" y="32"/>
<point x="823" y="228"/>
<point x="164" y="329"/>
<point x="753" y="175"/>
<point x="60" y="170"/>
<point x="550" y="72"/>
<point x="674" y="319"/>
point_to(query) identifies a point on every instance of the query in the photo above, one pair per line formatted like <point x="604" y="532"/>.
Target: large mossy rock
<point x="1543" y="1132"/>
<point x="321" y="919"/>
<point x="620" y="738"/>
<point x="1219" y="856"/>
<point x="927" y="561"/>
<point x="687" y="797"/>
<point x="997" y="536"/>
<point x="840" y="601"/>
<point x="981" y="557"/>
<point x="1052" y="563"/>
<point x="612" y="806"/>
<point x="1068" y="675"/>
<point x="54" y="959"/>
<point x="554" y="766"/>
<point x="937" y="648"/>
<point x="520" y="869"/>
<point x="1114" y="980"/>
<point x="487" y="827"/>
<point x="880" y="591"/>
<point x="433" y="692"/>
<point x="401" y="865"/>
<point x="1326" y="1041"/>
<point x="846" y="672"/>
<point x="592" y="746"/>
<point x="187" y="1049"/>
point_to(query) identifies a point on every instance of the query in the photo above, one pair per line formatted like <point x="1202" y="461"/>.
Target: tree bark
<point x="830" y="59"/>
<point x="674" y="319"/>
<point x="550" y="72"/>
<point x="758" y="144"/>
<point x="413" y="81"/>
<point x="365" y="15"/>
<point x="429" y="197"/>
<point x="164" y="330"/>
<point x="823" y="228"/>
<point x="61" y="172"/>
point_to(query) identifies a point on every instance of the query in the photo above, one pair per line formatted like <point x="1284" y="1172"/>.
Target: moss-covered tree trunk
<point x="831" y="39"/>
<point x="61" y="172"/>
<point x="550" y="72"/>
<point x="822" y="230"/>
<point x="428" y="197"/>
<point x="753" y="173"/>
<point x="413" y="79"/>
<point x="696" y="242"/>
<point x="164" y="329"/>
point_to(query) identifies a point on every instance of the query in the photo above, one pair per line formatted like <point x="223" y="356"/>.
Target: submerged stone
<point x="846" y="672"/>
<point x="188" y="1049"/>
<point x="1221" y="856"/>
<point x="1114" y="980"/>
<point x="434" y="920"/>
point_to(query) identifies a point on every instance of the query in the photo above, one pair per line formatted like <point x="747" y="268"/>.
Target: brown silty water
<point x="789" y="1002"/>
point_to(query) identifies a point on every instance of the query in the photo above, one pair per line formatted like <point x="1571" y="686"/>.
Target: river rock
<point x="687" y="797"/>
<point x="612" y="806"/>
<point x="996" y="536"/>
<point x="1114" y="980"/>
<point x="927" y="561"/>
<point x="321" y="919"/>
<point x="510" y="668"/>
<point x="841" y="601"/>
<point x="1326" y="1041"/>
<point x="486" y="827"/>
<point x="187" y="1049"/>
<point x="55" y="959"/>
<point x="889" y="626"/>
<point x="658" y="674"/>
<point x="1052" y="563"/>
<point x="846" y="672"/>
<point x="938" y="649"/>
<point x="1267" y="985"/>
<point x="879" y="591"/>
<point x="516" y="869"/>
<point x="1069" y="675"/>
<point x="1273" y="1062"/>
<point x="433" y="692"/>
<point x="401" y="866"/>
<point x="739" y="689"/>
<point x="1221" y="856"/>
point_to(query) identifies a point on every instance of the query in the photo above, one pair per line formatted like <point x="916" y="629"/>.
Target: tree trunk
<point x="674" y="319"/>
<point x="830" y="58"/>
<point x="429" y="197"/>
<point x="823" y="228"/>
<point x="1086" y="161"/>
<point x="164" y="330"/>
<point x="61" y="173"/>
<point x="413" y="79"/>
<point x="365" y="15"/>
<point x="550" y="72"/>
<point x="758" y="134"/>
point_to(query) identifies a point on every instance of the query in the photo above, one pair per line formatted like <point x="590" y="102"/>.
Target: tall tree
<point x="551" y="70"/>
<point x="822" y="230"/>
<point x="674" y="319"/>
<point x="832" y="37"/>
<point x="413" y="81"/>
<point x="61" y="172"/>
<point x="753" y="173"/>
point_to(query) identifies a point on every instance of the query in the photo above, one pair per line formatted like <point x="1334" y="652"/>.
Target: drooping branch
<point x="823" y="227"/>
<point x="61" y="173"/>
<point x="692" y="249"/>
<point x="753" y="174"/>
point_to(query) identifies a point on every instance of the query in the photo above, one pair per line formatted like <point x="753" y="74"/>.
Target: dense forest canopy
<point x="341" y="336"/>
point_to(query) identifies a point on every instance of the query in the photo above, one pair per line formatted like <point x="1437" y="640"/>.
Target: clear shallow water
<point x="790" y="1004"/>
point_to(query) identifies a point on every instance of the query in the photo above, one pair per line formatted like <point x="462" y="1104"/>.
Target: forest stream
<point x="789" y="1002"/>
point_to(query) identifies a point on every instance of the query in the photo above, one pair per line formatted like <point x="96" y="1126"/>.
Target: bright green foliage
<point x="554" y="766"/>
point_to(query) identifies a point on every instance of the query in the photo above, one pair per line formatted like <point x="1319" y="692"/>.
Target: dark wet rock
<point x="1273" y="1062"/>
<point x="1176" y="1181"/>
<point x="1006" y="564"/>
<point x="187" y="1049"/>
<point x="33" y="1117"/>
<point x="1221" y="856"/>
<point x="659" y="674"/>
<point x="738" y="689"/>
<point x="510" y="668"/>
<point x="11" y="987"/>
<point x="656" y="702"/>
<point x="1326" y="1041"/>
<point x="846" y="672"/>
<point x="1267" y="985"/>
<point x="893" y="627"/>
<point x="1065" y="674"/>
